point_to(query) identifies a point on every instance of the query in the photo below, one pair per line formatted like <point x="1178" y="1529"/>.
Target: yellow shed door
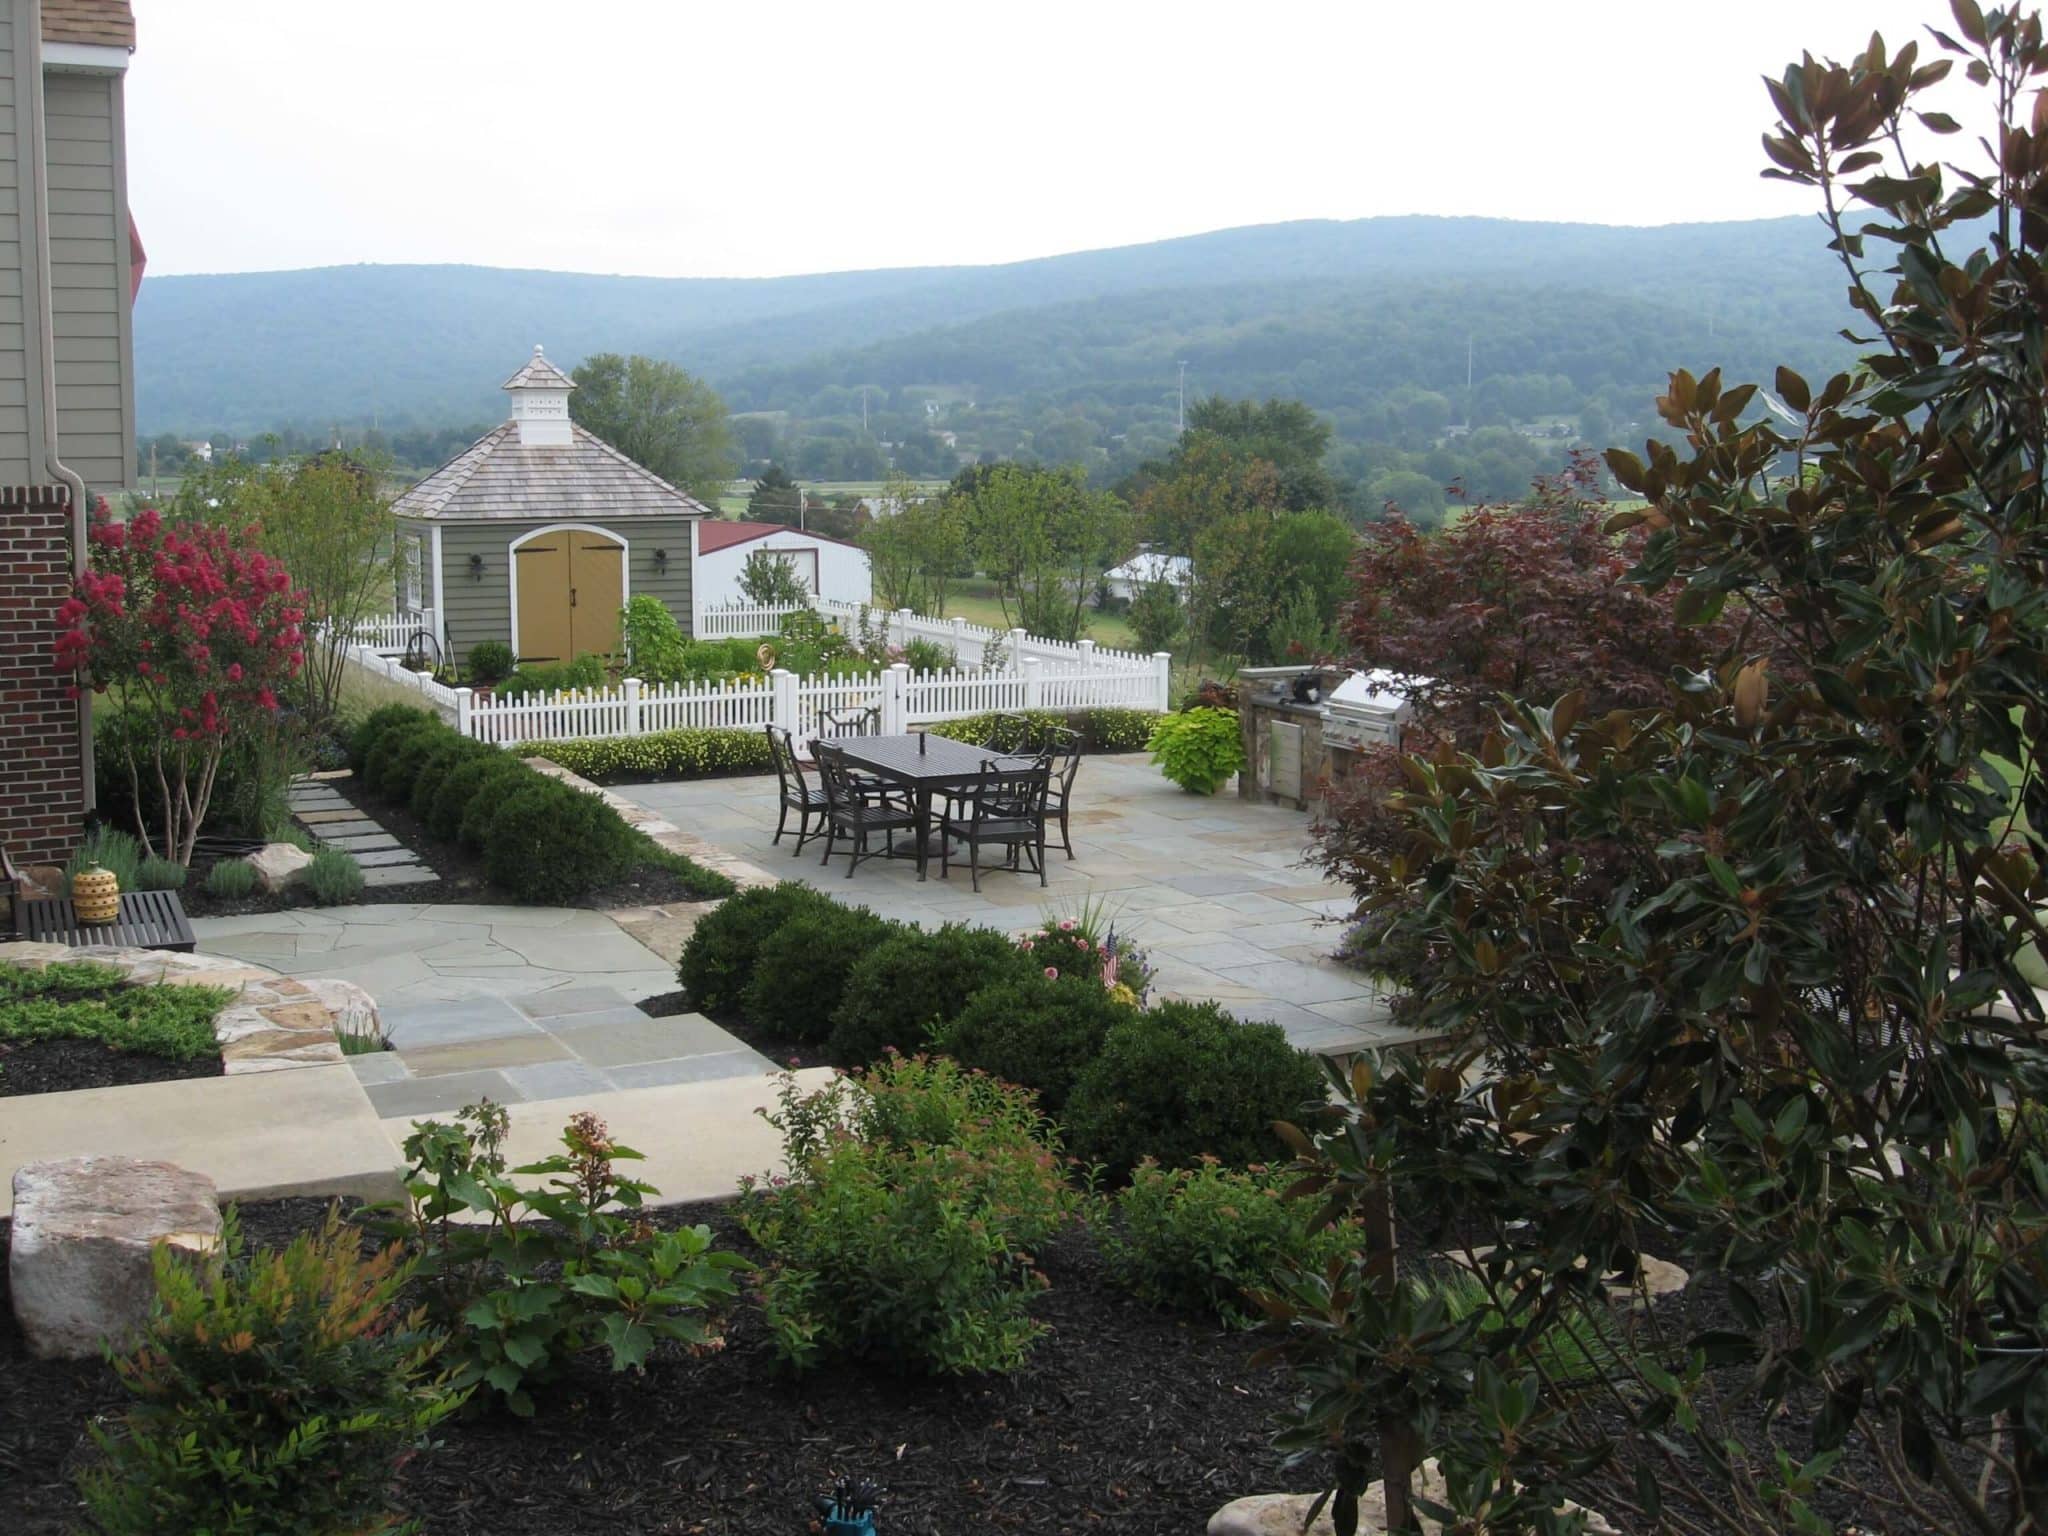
<point x="541" y="567"/>
<point x="597" y="591"/>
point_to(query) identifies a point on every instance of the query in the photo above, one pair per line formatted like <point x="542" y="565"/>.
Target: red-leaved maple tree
<point x="198" y="631"/>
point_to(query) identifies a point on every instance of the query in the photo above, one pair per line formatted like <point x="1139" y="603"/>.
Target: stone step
<point x="373" y="858"/>
<point x="400" y="874"/>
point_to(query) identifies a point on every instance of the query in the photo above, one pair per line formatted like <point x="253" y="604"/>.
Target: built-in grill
<point x="1305" y="726"/>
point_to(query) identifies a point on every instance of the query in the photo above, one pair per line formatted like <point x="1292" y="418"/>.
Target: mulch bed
<point x="58" y="1066"/>
<point x="1127" y="1419"/>
<point x="462" y="874"/>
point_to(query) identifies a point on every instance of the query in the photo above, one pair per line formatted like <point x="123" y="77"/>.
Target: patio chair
<point x="1009" y="736"/>
<point x="857" y="807"/>
<point x="798" y="793"/>
<point x="858" y="721"/>
<point x="1065" y="753"/>
<point x="1004" y="806"/>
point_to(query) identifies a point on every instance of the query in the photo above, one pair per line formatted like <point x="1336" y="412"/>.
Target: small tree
<point x="768" y="580"/>
<point x="1158" y="616"/>
<point x="660" y="416"/>
<point x="916" y="549"/>
<point x="1737" y="973"/>
<point x="1045" y="537"/>
<point x="200" y="631"/>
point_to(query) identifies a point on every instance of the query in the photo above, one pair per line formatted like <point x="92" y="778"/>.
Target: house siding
<point x="90" y="278"/>
<point x="482" y="609"/>
<point x="21" y="418"/>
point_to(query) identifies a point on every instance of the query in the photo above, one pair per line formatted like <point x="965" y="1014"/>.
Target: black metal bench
<point x="148" y="920"/>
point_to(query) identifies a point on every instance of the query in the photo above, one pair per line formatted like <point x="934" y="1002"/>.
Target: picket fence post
<point x="895" y="699"/>
<point x="959" y="641"/>
<point x="633" y="726"/>
<point x="1087" y="653"/>
<point x="782" y="699"/>
<point x="1162" y="681"/>
<point x="1034" y="688"/>
<point x="464" y="701"/>
<point x="1017" y="638"/>
<point x="903" y="618"/>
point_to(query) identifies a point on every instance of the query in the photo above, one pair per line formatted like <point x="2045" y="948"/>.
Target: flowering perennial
<point x="198" y="630"/>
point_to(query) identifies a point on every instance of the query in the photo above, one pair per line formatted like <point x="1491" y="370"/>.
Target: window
<point x="415" y="564"/>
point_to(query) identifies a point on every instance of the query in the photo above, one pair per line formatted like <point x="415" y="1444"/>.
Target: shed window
<point x="415" y="566"/>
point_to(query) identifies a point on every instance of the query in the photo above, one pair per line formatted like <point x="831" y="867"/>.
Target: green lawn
<point x="974" y="600"/>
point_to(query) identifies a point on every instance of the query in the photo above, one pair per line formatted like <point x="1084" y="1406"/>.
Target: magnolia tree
<point x="198" y="632"/>
<point x="1783" y="1032"/>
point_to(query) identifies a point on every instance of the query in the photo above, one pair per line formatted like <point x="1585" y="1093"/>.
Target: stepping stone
<point x="375" y="858"/>
<point x="78" y="1259"/>
<point x="400" y="874"/>
<point x="355" y="844"/>
<point x="324" y="817"/>
<point x="354" y="825"/>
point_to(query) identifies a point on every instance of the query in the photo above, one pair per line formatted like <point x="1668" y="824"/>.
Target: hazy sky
<point x="682" y="138"/>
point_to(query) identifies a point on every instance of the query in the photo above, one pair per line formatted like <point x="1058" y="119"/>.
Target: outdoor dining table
<point x="925" y="765"/>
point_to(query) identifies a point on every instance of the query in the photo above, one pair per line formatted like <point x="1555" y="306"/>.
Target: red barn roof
<point x="716" y="534"/>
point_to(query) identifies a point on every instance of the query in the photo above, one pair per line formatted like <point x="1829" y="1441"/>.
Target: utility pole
<point x="1183" y="398"/>
<point x="1468" y="381"/>
<point x="863" y="410"/>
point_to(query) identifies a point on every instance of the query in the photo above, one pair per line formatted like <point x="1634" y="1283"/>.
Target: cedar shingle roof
<point x="499" y="478"/>
<point x="539" y="373"/>
<point x="107" y="23"/>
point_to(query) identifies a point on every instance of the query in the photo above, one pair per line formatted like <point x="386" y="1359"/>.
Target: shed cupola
<point x="540" y="403"/>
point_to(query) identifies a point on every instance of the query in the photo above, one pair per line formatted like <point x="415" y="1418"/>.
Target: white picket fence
<point x="902" y="697"/>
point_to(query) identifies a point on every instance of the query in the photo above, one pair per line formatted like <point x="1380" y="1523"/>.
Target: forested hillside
<point x="1568" y="329"/>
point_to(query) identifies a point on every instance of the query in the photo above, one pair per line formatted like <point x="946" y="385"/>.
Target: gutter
<point x="39" y="181"/>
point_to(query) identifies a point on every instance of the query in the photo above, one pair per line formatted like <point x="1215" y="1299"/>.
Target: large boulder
<point x="1281" y="1514"/>
<point x="279" y="865"/>
<point x="78" y="1255"/>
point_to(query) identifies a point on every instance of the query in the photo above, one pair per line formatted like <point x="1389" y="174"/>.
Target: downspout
<point x="39" y="183"/>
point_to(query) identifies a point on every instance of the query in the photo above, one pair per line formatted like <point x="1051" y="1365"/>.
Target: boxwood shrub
<point x="372" y="729"/>
<point x="1036" y="1032"/>
<point x="801" y="968"/>
<point x="441" y="758"/>
<point x="718" y="957"/>
<point x="464" y="786"/>
<point x="1184" y="1081"/>
<point x="661" y="755"/>
<point x="905" y="988"/>
<point x="388" y="772"/>
<point x="549" y="844"/>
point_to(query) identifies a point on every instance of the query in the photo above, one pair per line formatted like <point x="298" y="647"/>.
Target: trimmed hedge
<point x="660" y="755"/>
<point x="540" y="840"/>
<point x="1185" y="1081"/>
<point x="801" y="969"/>
<point x="1100" y="730"/>
<point x="903" y="990"/>
<point x="1035" y="1032"/>
<point x="718" y="957"/>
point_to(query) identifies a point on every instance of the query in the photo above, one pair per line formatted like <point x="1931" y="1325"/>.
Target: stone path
<point x="1216" y="889"/>
<point x="320" y="809"/>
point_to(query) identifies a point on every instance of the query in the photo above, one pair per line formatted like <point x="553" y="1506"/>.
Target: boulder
<point x="1281" y="1514"/>
<point x="78" y="1255"/>
<point x="279" y="865"/>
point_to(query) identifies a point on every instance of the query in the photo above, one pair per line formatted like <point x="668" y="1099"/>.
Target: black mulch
<point x="462" y="873"/>
<point x="58" y="1066"/>
<point x="1127" y="1419"/>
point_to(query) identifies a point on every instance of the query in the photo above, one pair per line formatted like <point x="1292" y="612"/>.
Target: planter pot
<point x="96" y="895"/>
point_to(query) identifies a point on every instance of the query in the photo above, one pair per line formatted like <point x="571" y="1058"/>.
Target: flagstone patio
<point x="1214" y="888"/>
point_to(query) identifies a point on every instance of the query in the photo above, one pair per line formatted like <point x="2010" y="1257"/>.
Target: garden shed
<point x="537" y="534"/>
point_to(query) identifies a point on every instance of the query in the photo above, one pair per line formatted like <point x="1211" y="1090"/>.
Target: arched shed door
<point x="569" y="584"/>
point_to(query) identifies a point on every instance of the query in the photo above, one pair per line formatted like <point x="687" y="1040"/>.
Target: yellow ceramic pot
<point x="96" y="895"/>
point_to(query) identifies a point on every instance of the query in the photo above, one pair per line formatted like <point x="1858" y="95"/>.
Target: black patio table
<point x="925" y="765"/>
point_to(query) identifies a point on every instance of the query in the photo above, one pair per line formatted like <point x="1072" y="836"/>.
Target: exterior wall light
<point x="661" y="562"/>
<point x="476" y="567"/>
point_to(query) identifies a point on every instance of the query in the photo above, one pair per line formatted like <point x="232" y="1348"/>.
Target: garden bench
<point x="148" y="920"/>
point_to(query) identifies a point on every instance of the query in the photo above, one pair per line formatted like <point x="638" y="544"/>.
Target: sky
<point x="682" y="138"/>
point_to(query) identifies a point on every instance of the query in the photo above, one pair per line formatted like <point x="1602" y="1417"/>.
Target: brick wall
<point x="42" y="801"/>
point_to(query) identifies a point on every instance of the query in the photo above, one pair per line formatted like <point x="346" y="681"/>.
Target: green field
<point x="732" y="502"/>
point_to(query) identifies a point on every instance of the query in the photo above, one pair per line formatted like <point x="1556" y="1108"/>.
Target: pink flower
<point x="1066" y="925"/>
<point x="1052" y="973"/>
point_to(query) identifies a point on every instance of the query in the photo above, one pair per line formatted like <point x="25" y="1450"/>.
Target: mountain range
<point x="1338" y="313"/>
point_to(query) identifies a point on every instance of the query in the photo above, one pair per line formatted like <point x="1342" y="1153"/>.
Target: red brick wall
<point x="42" y="800"/>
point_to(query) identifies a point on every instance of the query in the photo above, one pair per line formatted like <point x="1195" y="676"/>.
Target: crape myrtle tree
<point x="1790" y="1045"/>
<point x="199" y="631"/>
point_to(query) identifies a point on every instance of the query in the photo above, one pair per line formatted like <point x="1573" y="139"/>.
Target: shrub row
<point x="1100" y="730"/>
<point x="540" y="840"/>
<point x="1175" y="1082"/>
<point x="685" y="754"/>
<point x="699" y="753"/>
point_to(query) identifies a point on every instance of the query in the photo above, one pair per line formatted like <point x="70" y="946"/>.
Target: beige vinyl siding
<point x="482" y="609"/>
<point x="20" y="422"/>
<point x="89" y="274"/>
